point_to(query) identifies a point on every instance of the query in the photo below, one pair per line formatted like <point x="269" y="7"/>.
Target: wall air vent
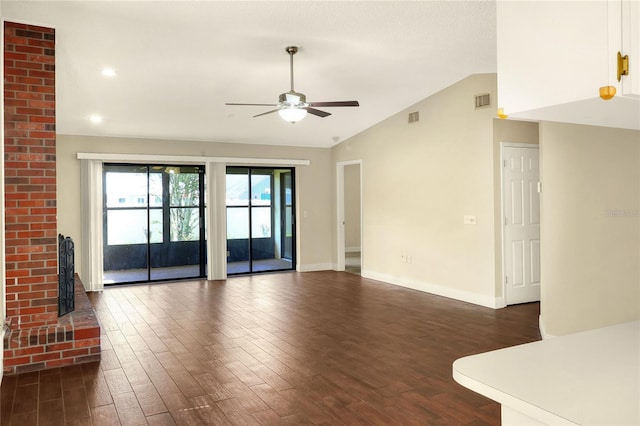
<point x="483" y="100"/>
<point x="414" y="117"/>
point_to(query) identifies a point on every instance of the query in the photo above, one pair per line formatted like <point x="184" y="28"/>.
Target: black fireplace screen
<point x="66" y="276"/>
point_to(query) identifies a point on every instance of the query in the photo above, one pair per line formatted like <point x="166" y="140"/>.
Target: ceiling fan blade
<point x="335" y="104"/>
<point x="268" y="112"/>
<point x="229" y="103"/>
<point x="317" y="112"/>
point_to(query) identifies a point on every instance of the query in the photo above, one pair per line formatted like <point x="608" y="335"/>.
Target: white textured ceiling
<point x="178" y="62"/>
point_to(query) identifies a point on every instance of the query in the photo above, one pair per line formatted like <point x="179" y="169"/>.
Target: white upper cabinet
<point x="553" y="56"/>
<point x="630" y="34"/>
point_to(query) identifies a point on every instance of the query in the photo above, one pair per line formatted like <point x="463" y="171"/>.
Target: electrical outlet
<point x="469" y="220"/>
<point x="406" y="258"/>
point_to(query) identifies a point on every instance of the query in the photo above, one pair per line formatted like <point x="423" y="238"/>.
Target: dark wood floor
<point x="289" y="348"/>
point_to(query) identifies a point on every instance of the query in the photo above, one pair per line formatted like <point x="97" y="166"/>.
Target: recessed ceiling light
<point x="109" y="72"/>
<point x="95" y="118"/>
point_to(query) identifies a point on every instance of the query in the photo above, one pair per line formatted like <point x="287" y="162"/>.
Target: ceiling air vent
<point x="413" y="117"/>
<point x="483" y="100"/>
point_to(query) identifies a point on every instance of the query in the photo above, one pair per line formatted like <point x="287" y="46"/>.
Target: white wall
<point x="590" y="227"/>
<point x="419" y="181"/>
<point x="314" y="189"/>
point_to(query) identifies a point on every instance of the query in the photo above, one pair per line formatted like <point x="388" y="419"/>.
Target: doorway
<point x="349" y="226"/>
<point x="154" y="223"/>
<point x="521" y="220"/>
<point x="260" y="206"/>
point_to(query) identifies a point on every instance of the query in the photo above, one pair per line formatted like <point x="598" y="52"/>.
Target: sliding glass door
<point x="154" y="223"/>
<point x="260" y="220"/>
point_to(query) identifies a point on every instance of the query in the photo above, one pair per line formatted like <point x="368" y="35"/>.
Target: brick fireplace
<point x="37" y="338"/>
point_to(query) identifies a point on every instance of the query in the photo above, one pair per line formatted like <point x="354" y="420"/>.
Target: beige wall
<point x="314" y="190"/>
<point x="419" y="181"/>
<point x="590" y="227"/>
<point x="512" y="131"/>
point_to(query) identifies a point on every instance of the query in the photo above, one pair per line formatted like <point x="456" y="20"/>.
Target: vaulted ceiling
<point x="178" y="62"/>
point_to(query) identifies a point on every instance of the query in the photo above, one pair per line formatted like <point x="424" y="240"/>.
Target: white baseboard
<point x="464" y="296"/>
<point x="543" y="331"/>
<point x="500" y="303"/>
<point x="315" y="267"/>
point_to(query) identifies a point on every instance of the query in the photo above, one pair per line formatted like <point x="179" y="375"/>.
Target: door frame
<point x="340" y="203"/>
<point x="504" y="145"/>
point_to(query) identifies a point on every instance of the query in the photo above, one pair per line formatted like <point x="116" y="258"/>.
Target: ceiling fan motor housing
<point x="292" y="99"/>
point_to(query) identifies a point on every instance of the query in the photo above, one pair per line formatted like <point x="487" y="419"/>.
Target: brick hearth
<point x="73" y="340"/>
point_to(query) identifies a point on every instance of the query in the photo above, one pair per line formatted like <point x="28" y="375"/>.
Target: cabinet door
<point x="631" y="46"/>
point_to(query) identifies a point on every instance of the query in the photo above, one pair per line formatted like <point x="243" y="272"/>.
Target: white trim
<point x="351" y="249"/>
<point x="340" y="217"/>
<point x="184" y="159"/>
<point x="315" y="267"/>
<point x="340" y="237"/>
<point x="543" y="331"/>
<point x="461" y="295"/>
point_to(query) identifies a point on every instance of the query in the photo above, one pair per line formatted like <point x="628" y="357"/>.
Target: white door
<point x="521" y="219"/>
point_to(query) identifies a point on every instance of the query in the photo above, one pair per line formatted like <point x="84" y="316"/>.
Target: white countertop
<point x="589" y="378"/>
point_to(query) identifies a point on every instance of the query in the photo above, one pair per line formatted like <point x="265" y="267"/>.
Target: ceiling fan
<point x="293" y="106"/>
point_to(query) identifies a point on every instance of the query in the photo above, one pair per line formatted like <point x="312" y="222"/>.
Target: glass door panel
<point x="260" y="249"/>
<point x="126" y="222"/>
<point x="181" y="253"/>
<point x="153" y="223"/>
<point x="238" y="221"/>
<point x="287" y="220"/>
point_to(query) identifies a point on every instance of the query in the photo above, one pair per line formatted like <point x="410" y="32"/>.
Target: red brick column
<point x="30" y="175"/>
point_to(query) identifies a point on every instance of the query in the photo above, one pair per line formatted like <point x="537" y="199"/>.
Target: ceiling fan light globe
<point x="292" y="115"/>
